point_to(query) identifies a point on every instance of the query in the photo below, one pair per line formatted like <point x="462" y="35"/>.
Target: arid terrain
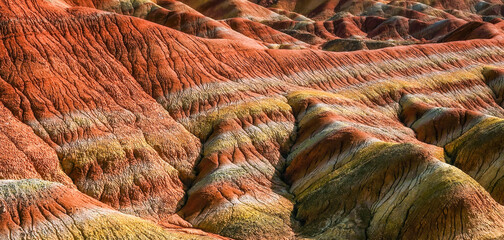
<point x="251" y="119"/>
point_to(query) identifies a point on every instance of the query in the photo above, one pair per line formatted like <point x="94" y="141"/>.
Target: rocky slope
<point x="177" y="119"/>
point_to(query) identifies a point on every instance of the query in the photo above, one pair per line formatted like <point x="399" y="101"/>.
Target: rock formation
<point x="143" y="119"/>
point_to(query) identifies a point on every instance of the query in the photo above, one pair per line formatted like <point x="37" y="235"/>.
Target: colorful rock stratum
<point x="259" y="119"/>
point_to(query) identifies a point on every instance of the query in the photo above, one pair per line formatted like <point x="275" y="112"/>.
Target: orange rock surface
<point x="144" y="119"/>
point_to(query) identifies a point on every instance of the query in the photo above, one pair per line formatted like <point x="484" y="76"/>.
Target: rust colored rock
<point x="473" y="30"/>
<point x="187" y="119"/>
<point x="36" y="209"/>
<point x="24" y="155"/>
<point x="263" y="33"/>
<point x="234" y="8"/>
<point x="113" y="140"/>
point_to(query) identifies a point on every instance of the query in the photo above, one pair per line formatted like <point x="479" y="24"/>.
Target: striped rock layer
<point x="151" y="120"/>
<point x="37" y="209"/>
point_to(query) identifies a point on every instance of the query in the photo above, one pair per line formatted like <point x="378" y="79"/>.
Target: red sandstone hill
<point x="129" y="119"/>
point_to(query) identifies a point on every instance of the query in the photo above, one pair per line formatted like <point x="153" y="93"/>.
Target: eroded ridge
<point x="150" y="119"/>
<point x="36" y="209"/>
<point x="349" y="181"/>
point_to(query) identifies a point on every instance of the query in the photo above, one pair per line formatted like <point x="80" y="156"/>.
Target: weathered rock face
<point x="219" y="9"/>
<point x="112" y="139"/>
<point x="36" y="209"/>
<point x="390" y="188"/>
<point x="153" y="120"/>
<point x="24" y="155"/>
<point x="322" y="9"/>
<point x="403" y="22"/>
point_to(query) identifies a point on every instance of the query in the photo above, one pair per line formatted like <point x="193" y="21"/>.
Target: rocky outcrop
<point x="389" y="187"/>
<point x="473" y="30"/>
<point x="104" y="135"/>
<point x="264" y="34"/>
<point x="24" y="154"/>
<point x="403" y="22"/>
<point x="36" y="209"/>
<point x="471" y="140"/>
<point x="115" y="124"/>
<point x="234" y="8"/>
